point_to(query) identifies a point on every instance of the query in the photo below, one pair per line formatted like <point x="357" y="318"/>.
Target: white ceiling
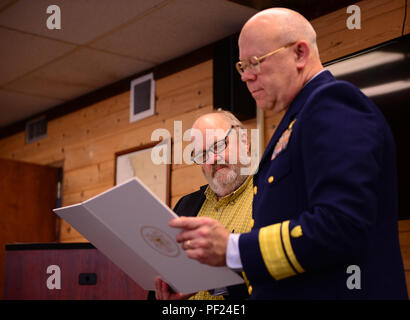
<point x="100" y="42"/>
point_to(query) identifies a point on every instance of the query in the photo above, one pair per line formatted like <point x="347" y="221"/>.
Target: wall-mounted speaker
<point x="142" y="97"/>
<point x="230" y="93"/>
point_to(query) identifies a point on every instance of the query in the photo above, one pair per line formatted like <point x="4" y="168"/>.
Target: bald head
<point x="217" y="120"/>
<point x="282" y="26"/>
<point x="287" y="41"/>
<point x="211" y="121"/>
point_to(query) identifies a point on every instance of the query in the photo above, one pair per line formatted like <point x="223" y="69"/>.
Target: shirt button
<point x="270" y="179"/>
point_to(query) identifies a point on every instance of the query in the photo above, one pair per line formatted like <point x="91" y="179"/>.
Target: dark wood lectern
<point x="65" y="271"/>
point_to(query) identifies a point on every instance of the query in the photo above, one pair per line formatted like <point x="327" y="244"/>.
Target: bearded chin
<point x="223" y="183"/>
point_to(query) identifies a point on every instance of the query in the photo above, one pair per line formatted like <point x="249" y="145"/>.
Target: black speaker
<point x="230" y="93"/>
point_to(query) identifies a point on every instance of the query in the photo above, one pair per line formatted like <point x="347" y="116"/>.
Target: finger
<point x="183" y="222"/>
<point x="199" y="235"/>
<point x="157" y="282"/>
<point x="197" y="243"/>
<point x="157" y="295"/>
<point x="189" y="245"/>
<point x="196" y="254"/>
<point x="189" y="222"/>
<point x="187" y="235"/>
<point x="165" y="291"/>
<point x="157" y="289"/>
<point x="201" y="256"/>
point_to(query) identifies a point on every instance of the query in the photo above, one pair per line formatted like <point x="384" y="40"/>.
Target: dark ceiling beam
<point x="310" y="9"/>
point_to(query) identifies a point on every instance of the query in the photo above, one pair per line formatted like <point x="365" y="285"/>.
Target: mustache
<point x="216" y="167"/>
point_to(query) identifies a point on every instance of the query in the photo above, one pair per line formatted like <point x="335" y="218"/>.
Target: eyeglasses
<point x="216" y="148"/>
<point x="253" y="64"/>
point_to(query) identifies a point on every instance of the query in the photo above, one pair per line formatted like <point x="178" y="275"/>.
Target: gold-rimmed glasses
<point x="253" y="64"/>
<point x="217" y="148"/>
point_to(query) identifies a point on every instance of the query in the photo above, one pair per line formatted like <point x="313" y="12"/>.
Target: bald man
<point x="222" y="149"/>
<point x="325" y="195"/>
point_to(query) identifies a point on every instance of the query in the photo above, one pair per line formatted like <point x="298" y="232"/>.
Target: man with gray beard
<point x="222" y="149"/>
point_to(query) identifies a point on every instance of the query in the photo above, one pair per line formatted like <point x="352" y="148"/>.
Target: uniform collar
<point x="318" y="79"/>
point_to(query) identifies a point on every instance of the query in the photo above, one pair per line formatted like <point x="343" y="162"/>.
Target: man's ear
<point x="302" y="52"/>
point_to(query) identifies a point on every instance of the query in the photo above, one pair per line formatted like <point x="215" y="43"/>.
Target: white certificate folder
<point x="129" y="224"/>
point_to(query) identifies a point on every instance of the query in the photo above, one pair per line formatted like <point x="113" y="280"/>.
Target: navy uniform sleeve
<point x="341" y="136"/>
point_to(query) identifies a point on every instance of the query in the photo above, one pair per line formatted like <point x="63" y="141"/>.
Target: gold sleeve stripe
<point x="273" y="253"/>
<point x="288" y="247"/>
<point x="247" y="283"/>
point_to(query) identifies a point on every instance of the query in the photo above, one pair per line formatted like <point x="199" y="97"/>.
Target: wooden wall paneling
<point x="184" y="78"/>
<point x="103" y="148"/>
<point x="381" y="21"/>
<point x="108" y="115"/>
<point x="84" y="193"/>
<point x="174" y="201"/>
<point x="11" y="143"/>
<point x="89" y="158"/>
<point x="69" y="234"/>
<point x="43" y="151"/>
<point x="92" y="176"/>
<point x="194" y="96"/>
<point x="407" y="26"/>
<point x="61" y="131"/>
<point x="183" y="101"/>
<point x="272" y="121"/>
<point x="94" y="113"/>
<point x="192" y="177"/>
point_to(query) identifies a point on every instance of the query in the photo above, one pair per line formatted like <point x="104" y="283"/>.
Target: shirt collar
<point x="211" y="196"/>
<point x="315" y="76"/>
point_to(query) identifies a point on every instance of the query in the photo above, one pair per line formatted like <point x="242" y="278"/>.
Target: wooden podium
<point x="65" y="271"/>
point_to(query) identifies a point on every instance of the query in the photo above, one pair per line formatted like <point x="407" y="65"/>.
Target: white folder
<point x="129" y="224"/>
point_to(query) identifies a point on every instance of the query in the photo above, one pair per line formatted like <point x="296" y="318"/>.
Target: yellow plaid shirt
<point x="233" y="211"/>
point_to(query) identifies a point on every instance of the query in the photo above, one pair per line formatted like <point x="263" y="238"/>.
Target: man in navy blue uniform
<point x="325" y="194"/>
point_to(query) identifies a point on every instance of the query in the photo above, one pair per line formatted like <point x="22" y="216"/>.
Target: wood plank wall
<point x="84" y="142"/>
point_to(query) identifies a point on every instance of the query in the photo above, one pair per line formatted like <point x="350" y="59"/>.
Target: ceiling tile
<point x="81" y="21"/>
<point x="21" y="53"/>
<point x="78" y="73"/>
<point x="176" y="29"/>
<point x="16" y="106"/>
<point x="4" y="3"/>
<point x="101" y="42"/>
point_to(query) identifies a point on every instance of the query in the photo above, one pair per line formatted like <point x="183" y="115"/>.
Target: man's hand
<point x="204" y="239"/>
<point x="164" y="292"/>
